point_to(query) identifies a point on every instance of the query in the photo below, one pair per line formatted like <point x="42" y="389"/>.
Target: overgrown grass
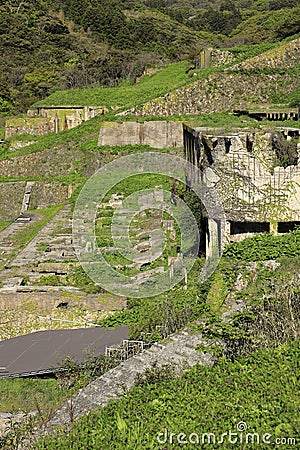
<point x="153" y="318"/>
<point x="261" y="391"/>
<point x="85" y="136"/>
<point x="27" y="234"/>
<point x="127" y="96"/>
<point x="4" y="224"/>
<point x="246" y="51"/>
<point x="148" y="87"/>
<point x="266" y="246"/>
<point x="53" y="140"/>
<point x="30" y="395"/>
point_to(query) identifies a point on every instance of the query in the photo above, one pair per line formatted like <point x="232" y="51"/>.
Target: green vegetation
<point x="24" y="236"/>
<point x="258" y="385"/>
<point x="268" y="26"/>
<point x="4" y="224"/>
<point x="119" y="55"/>
<point x="30" y="394"/>
<point x="266" y="246"/>
<point x="59" y="45"/>
<point x="79" y="278"/>
<point x="125" y="95"/>
<point x="154" y="318"/>
<point x="248" y="383"/>
<point x="260" y="391"/>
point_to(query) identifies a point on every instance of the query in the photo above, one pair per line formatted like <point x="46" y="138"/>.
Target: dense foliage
<point x="266" y="246"/>
<point x="45" y="46"/>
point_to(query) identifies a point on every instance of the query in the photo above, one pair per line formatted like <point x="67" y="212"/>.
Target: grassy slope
<point x="128" y="96"/>
<point x="263" y="375"/>
<point x="30" y="394"/>
<point x="23" y="237"/>
<point x="268" y="26"/>
<point x="125" y="95"/>
<point x="161" y="82"/>
<point x="260" y="391"/>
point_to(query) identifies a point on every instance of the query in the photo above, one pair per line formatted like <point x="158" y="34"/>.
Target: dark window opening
<point x="249" y="144"/>
<point x="285" y="227"/>
<point x="207" y="151"/>
<point x="249" y="227"/>
<point x="204" y="233"/>
<point x="227" y="145"/>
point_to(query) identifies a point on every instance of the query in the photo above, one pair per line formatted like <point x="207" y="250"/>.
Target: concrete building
<point x="243" y="169"/>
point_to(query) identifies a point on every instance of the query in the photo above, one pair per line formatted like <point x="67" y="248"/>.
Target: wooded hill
<point x="55" y="44"/>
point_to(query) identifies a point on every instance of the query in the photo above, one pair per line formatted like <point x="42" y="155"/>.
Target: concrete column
<point x="212" y="239"/>
<point x="273" y="227"/>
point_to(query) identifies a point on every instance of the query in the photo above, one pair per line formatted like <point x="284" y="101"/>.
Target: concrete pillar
<point x="273" y="227"/>
<point x="212" y="240"/>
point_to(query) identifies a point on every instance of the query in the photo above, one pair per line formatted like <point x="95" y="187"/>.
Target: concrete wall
<point x="156" y="134"/>
<point x="42" y="195"/>
<point x="37" y="126"/>
<point x="47" y="119"/>
<point x="45" y="194"/>
<point x="11" y="197"/>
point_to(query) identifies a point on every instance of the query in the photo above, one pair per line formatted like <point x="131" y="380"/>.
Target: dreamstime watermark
<point x="239" y="436"/>
<point x="91" y="255"/>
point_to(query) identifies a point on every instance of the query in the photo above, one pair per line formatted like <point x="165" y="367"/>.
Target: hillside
<point x="205" y="354"/>
<point x="252" y="379"/>
<point x="46" y="46"/>
<point x="227" y="83"/>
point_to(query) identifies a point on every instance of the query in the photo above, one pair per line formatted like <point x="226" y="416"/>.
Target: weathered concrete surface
<point x="59" y="161"/>
<point x="156" y="134"/>
<point x="240" y="168"/>
<point x="36" y="126"/>
<point x="47" y="119"/>
<point x="11" y="197"/>
<point x="28" y="298"/>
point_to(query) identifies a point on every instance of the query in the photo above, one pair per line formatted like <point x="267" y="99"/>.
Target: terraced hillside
<point x="266" y="79"/>
<point x="37" y="256"/>
<point x="42" y="285"/>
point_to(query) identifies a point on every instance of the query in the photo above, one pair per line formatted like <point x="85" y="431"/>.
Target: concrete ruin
<point x="256" y="192"/>
<point x="31" y="194"/>
<point x="51" y="119"/>
<point x="156" y="134"/>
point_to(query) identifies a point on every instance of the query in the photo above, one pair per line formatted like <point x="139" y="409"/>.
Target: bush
<point x="265" y="246"/>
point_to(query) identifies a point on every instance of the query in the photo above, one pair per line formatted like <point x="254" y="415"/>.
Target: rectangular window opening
<point x="249" y="227"/>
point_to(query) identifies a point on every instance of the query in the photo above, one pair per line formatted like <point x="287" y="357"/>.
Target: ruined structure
<point x="156" y="134"/>
<point x="256" y="177"/>
<point x="49" y="119"/>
